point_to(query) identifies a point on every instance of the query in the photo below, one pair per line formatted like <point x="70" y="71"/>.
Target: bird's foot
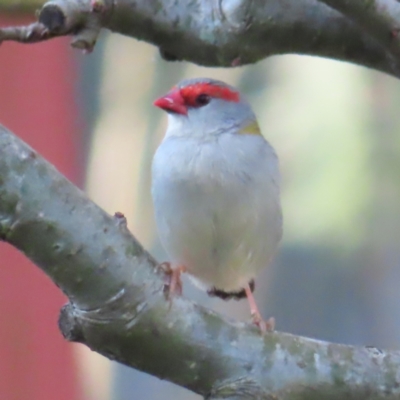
<point x="172" y="281"/>
<point x="265" y="326"/>
<point x="98" y="6"/>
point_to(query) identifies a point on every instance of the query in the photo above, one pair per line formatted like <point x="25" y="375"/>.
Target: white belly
<point x="217" y="206"/>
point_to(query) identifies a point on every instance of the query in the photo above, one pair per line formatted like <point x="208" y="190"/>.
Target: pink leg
<point x="265" y="326"/>
<point x="173" y="282"/>
<point x="98" y="6"/>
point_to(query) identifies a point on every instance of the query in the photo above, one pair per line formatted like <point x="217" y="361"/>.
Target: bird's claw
<point x="98" y="6"/>
<point x="264" y="326"/>
<point x="172" y="280"/>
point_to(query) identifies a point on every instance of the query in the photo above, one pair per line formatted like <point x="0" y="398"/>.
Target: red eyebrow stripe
<point x="189" y="93"/>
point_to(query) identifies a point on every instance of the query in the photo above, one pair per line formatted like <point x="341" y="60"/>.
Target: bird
<point x="216" y="192"/>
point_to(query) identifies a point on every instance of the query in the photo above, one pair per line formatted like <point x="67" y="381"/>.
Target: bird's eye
<point x="202" y="99"/>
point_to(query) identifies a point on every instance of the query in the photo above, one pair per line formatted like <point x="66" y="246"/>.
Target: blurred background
<point x="335" y="128"/>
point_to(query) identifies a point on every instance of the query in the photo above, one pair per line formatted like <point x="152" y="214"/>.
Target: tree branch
<point x="117" y="305"/>
<point x="220" y="32"/>
<point x="380" y="18"/>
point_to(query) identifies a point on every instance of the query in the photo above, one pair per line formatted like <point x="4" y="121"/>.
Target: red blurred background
<point x="35" y="361"/>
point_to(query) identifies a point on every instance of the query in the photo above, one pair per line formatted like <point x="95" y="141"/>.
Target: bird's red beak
<point x="172" y="102"/>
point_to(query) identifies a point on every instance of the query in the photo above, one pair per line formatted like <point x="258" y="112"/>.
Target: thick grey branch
<point x="222" y="32"/>
<point x="380" y="18"/>
<point x="118" y="306"/>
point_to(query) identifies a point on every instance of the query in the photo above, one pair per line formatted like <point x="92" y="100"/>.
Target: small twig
<point x="82" y="20"/>
<point x="33" y="33"/>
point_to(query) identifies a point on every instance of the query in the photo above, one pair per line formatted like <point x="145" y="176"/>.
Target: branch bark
<point x="379" y="18"/>
<point x="225" y="32"/>
<point x="117" y="305"/>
